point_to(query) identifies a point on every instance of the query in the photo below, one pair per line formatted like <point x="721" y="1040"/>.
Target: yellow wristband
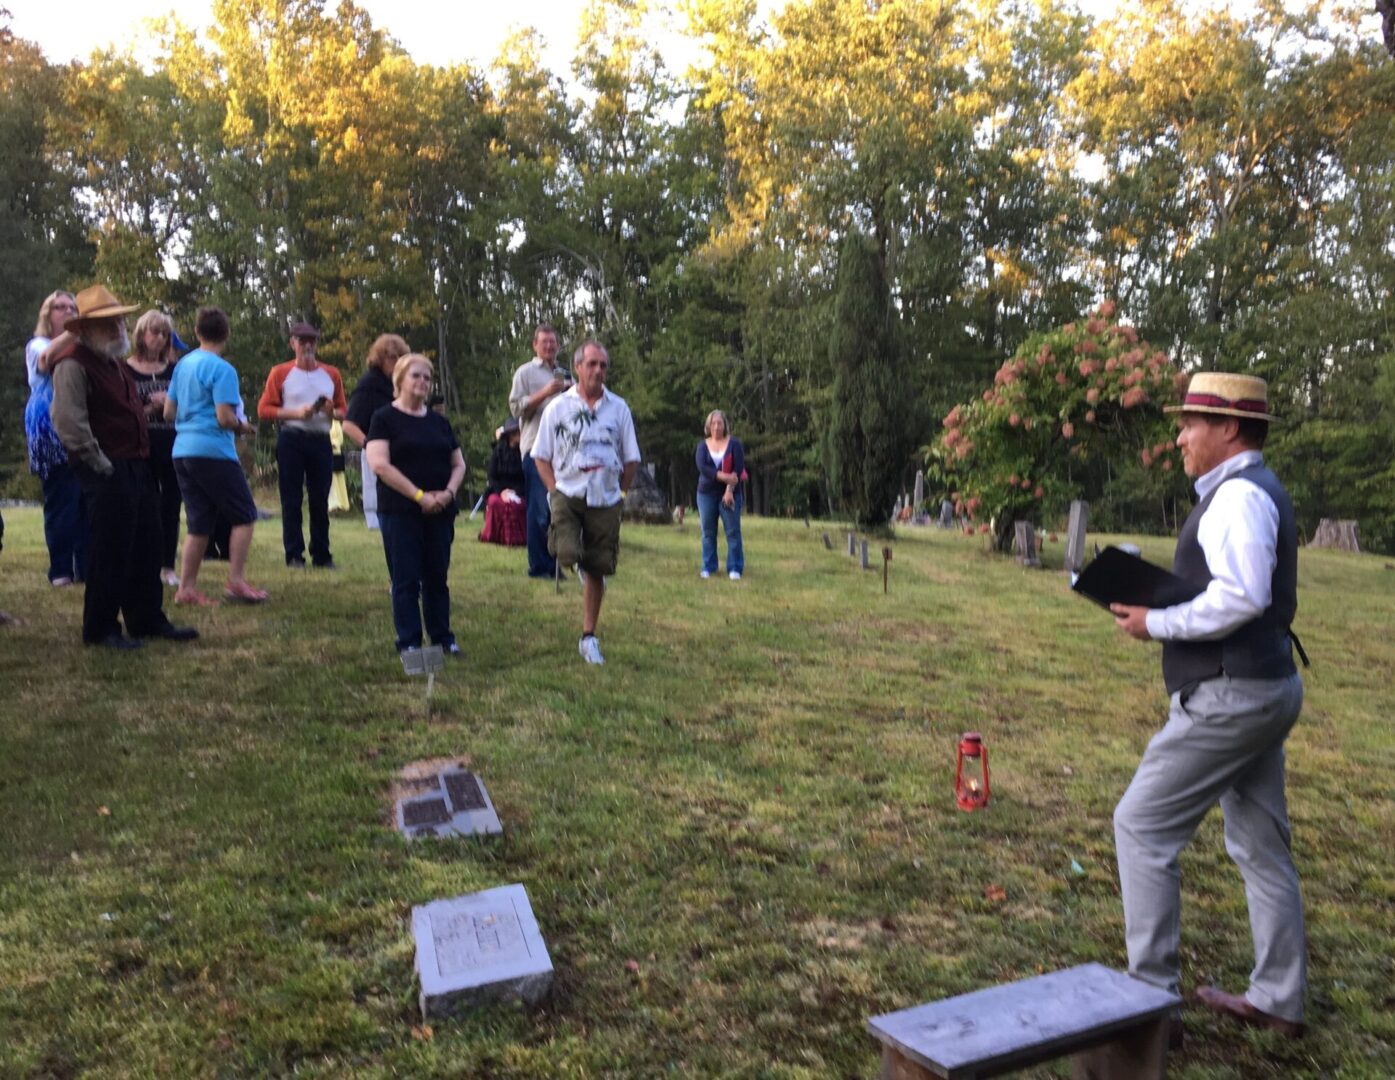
<point x="419" y="495"/>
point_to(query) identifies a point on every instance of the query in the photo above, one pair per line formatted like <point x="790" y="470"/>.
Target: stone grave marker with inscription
<point x="946" y="514"/>
<point x="452" y="802"/>
<point x="865" y="564"/>
<point x="479" y="948"/>
<point x="1075" y="535"/>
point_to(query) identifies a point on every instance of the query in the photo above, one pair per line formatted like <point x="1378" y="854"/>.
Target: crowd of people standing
<point x="127" y="435"/>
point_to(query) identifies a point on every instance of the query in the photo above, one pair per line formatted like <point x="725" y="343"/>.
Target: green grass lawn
<point x="738" y="836"/>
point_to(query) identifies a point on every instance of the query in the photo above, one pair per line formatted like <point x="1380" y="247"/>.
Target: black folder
<point x="1116" y="577"/>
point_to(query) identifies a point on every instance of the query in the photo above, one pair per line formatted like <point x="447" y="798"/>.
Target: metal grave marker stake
<point x="426" y="661"/>
<point x="479" y="948"/>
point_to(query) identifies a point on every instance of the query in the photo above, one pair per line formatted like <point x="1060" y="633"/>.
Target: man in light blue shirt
<point x="205" y="403"/>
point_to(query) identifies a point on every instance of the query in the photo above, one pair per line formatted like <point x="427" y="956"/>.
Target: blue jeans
<point x="418" y="555"/>
<point x="710" y="507"/>
<point x="65" y="524"/>
<point x="540" y="563"/>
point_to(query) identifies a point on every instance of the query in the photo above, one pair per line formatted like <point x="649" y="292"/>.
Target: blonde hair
<point x="152" y="320"/>
<point x="387" y="346"/>
<point x="404" y="364"/>
<point x="707" y="424"/>
<point x="44" y="327"/>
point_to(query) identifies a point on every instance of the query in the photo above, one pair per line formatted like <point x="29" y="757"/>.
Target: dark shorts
<point x="213" y="487"/>
<point x="588" y="536"/>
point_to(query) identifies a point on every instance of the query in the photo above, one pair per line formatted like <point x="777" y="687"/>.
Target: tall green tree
<point x="870" y="433"/>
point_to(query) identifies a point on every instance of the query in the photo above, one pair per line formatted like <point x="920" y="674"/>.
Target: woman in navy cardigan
<point x="721" y="464"/>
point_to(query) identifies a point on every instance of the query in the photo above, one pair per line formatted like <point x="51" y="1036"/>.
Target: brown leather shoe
<point x="1238" y="1008"/>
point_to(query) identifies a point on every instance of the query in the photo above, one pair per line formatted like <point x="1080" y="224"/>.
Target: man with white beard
<point x="99" y="416"/>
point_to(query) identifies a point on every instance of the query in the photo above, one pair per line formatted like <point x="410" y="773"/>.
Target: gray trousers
<point x="1224" y="743"/>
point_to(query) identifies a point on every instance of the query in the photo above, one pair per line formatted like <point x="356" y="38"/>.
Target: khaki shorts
<point x="584" y="535"/>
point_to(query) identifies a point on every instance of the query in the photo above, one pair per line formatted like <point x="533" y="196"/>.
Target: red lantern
<point x="971" y="773"/>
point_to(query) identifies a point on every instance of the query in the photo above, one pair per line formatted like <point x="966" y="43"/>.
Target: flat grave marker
<point x="479" y="948"/>
<point x="452" y="802"/>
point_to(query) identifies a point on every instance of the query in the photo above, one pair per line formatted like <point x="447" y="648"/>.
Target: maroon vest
<point x="114" y="409"/>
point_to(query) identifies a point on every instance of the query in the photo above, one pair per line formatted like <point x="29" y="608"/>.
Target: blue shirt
<point x="200" y="382"/>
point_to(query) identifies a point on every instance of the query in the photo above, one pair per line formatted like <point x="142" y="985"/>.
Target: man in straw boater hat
<point x="99" y="416"/>
<point x="1227" y="658"/>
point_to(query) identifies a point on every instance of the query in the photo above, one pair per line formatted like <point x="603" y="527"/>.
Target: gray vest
<point x="1260" y="649"/>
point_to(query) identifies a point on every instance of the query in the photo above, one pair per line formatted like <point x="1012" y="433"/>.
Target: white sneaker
<point x="705" y="574"/>
<point x="735" y="575"/>
<point x="590" y="648"/>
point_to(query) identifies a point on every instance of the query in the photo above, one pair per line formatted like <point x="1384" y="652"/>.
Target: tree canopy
<point x="1225" y="179"/>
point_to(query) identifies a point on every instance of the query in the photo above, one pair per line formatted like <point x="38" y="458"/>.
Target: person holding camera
<point x="304" y="396"/>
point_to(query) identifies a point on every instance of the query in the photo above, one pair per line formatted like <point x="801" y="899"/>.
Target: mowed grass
<point x="738" y="836"/>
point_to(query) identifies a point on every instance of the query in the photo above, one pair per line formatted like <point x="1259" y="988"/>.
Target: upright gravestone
<point x="946" y="514"/>
<point x="865" y="564"/>
<point x="896" y="508"/>
<point x="828" y="541"/>
<point x="1075" y="536"/>
<point x="919" y="492"/>
<point x="852" y="544"/>
<point x="1024" y="543"/>
<point x="478" y="948"/>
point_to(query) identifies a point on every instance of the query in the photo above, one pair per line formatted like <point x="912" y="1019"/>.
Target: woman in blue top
<point x="65" y="525"/>
<point x="721" y="464"/>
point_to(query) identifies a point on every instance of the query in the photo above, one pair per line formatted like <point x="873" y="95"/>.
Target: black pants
<point x="162" y="467"/>
<point x="123" y="562"/>
<point x="304" y="461"/>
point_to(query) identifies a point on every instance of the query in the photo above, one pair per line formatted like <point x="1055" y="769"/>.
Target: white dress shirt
<point x="1239" y="536"/>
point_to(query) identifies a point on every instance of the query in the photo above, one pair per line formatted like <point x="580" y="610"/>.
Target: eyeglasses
<point x="62" y="305"/>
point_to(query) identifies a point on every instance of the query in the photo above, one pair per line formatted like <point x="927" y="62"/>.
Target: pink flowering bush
<point x="1064" y="416"/>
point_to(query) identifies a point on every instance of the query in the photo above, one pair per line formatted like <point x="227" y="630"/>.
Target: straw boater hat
<point x="95" y="304"/>
<point x="1223" y="394"/>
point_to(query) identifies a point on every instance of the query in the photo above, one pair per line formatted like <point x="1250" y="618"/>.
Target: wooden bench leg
<point x="1137" y="1054"/>
<point x="896" y="1066"/>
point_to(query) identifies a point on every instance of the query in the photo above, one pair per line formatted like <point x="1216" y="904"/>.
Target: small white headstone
<point x="479" y="948"/>
<point x="919" y="491"/>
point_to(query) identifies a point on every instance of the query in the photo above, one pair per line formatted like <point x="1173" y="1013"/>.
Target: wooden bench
<point x="1115" y="1028"/>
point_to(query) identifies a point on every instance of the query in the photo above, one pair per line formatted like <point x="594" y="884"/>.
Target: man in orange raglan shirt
<point x="304" y="396"/>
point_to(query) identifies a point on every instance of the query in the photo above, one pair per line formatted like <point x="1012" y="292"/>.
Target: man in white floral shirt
<point x="586" y="455"/>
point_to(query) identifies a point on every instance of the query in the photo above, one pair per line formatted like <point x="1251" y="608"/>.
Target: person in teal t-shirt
<point x="205" y="403"/>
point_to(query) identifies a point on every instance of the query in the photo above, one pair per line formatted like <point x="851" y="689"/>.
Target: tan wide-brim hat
<point x="95" y="303"/>
<point x="1224" y="394"/>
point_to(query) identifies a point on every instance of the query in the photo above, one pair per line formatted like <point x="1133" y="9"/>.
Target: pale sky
<point x="433" y="32"/>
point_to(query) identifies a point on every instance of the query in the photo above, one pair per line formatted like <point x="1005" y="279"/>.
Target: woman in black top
<point x="417" y="460"/>
<point x="374" y="390"/>
<point x="151" y="361"/>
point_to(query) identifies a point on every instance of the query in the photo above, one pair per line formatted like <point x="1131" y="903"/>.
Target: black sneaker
<point x="295" y="562"/>
<point x="453" y="650"/>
